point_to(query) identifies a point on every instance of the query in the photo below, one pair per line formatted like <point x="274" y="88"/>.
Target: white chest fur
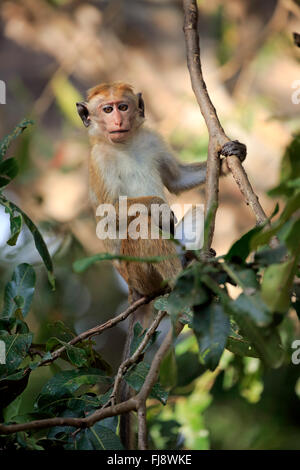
<point x="131" y="170"/>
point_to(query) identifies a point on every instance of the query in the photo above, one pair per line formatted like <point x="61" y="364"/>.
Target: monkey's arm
<point x="178" y="177"/>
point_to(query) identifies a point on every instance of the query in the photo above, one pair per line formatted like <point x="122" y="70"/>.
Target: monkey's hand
<point x="167" y="224"/>
<point x="234" y="147"/>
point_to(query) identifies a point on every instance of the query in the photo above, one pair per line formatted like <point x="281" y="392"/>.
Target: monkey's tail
<point x="127" y="420"/>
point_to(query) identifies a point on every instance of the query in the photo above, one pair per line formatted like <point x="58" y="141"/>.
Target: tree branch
<point x="97" y="330"/>
<point x="133" y="404"/>
<point x="135" y="356"/>
<point x="142" y="428"/>
<point x="217" y="136"/>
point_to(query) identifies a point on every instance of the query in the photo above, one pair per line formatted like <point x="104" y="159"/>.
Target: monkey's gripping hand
<point x="167" y="224"/>
<point x="234" y="147"/>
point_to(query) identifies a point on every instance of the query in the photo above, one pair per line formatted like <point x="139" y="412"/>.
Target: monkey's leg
<point x="143" y="279"/>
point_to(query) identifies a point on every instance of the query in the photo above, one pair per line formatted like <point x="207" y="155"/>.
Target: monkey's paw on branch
<point x="234" y="147"/>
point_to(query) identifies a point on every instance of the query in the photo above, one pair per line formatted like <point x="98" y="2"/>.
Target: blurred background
<point x="51" y="52"/>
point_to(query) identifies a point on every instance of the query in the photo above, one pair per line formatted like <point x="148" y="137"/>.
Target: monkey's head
<point x="112" y="111"/>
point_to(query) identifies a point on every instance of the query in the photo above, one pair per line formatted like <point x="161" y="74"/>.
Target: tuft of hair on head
<point x="118" y="88"/>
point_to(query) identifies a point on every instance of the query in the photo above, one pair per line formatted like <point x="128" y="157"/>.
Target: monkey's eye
<point x="123" y="107"/>
<point x="107" y="109"/>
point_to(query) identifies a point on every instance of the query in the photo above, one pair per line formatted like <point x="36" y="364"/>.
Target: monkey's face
<point x="117" y="119"/>
<point x="113" y="116"/>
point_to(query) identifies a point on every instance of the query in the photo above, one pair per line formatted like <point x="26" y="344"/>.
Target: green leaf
<point x="211" y="327"/>
<point x="8" y="171"/>
<point x="168" y="370"/>
<point x="16" y="348"/>
<point x="277" y="285"/>
<point x="5" y="143"/>
<point x="188" y="368"/>
<point x="242" y="276"/>
<point x="266" y="341"/>
<point x="138" y="336"/>
<point x="98" y="437"/>
<point x="241" y="347"/>
<point x="291" y="236"/>
<point x="77" y="356"/>
<point x="38" y="239"/>
<point x="188" y="291"/>
<point x="290" y="170"/>
<point x="19" y="291"/>
<point x="264" y="237"/>
<point x="267" y="256"/>
<point x="15" y="221"/>
<point x="241" y="249"/>
<point x="11" y="387"/>
<point x="28" y="442"/>
<point x="253" y="307"/>
<point x="66" y="383"/>
<point x="12" y="409"/>
<point x="136" y="377"/>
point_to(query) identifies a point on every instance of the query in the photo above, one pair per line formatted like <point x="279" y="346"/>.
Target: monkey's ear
<point x="141" y="104"/>
<point x="83" y="112"/>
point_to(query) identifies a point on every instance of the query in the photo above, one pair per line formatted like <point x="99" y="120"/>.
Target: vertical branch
<point x="142" y="427"/>
<point x="207" y="109"/>
<point x="211" y="192"/>
<point x="217" y="136"/>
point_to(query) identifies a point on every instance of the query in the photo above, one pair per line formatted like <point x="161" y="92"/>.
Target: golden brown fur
<point x="129" y="160"/>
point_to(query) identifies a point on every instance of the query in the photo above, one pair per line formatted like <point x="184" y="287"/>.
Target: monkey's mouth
<point x="120" y="131"/>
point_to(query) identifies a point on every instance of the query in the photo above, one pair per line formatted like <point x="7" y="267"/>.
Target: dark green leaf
<point x="277" y="284"/>
<point x="138" y="336"/>
<point x="241" y="249"/>
<point x="8" y="171"/>
<point x="188" y="368"/>
<point x="290" y="169"/>
<point x="264" y="237"/>
<point x="66" y="383"/>
<point x="168" y="370"/>
<point x="16" y="348"/>
<point x="269" y="256"/>
<point x="77" y="356"/>
<point x="242" y="276"/>
<point x="136" y="377"/>
<point x="19" y="291"/>
<point x="253" y="307"/>
<point x="15" y="221"/>
<point x="98" y="437"/>
<point x="266" y="341"/>
<point x="38" y="240"/>
<point x="12" y="386"/>
<point x="211" y="326"/>
<point x="241" y="347"/>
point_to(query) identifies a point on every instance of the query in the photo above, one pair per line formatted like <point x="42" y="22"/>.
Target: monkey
<point x="129" y="159"/>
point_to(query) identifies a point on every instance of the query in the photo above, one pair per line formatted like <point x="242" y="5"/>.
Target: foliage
<point x="224" y="334"/>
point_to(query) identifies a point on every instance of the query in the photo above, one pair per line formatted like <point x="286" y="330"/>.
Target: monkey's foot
<point x="234" y="147"/>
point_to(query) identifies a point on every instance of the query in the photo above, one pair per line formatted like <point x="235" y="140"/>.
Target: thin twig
<point x="97" y="330"/>
<point x="135" y="356"/>
<point x="241" y="179"/>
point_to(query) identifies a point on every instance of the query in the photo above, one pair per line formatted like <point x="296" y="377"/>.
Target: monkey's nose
<point x="118" y="119"/>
